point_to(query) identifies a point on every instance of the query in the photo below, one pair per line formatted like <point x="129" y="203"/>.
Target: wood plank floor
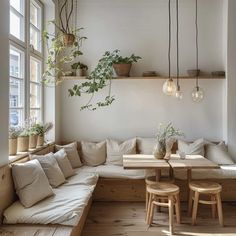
<point x="127" y="219"/>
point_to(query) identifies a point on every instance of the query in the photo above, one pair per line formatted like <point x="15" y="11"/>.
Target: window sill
<point x="22" y="155"/>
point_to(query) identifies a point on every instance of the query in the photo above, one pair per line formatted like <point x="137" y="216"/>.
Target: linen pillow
<point x="64" y="163"/>
<point x="116" y="150"/>
<point x="31" y="183"/>
<point x="51" y="169"/>
<point x="93" y="154"/>
<point x="72" y="153"/>
<point x="146" y="145"/>
<point x="195" y="148"/>
<point x="218" y="154"/>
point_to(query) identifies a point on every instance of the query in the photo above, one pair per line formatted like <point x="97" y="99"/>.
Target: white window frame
<point x="28" y="53"/>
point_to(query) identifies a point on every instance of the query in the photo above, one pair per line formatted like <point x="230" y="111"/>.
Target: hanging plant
<point x="100" y="78"/>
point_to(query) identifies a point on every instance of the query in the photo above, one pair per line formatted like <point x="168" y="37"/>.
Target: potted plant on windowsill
<point x="41" y="130"/>
<point x="79" y="68"/>
<point x="13" y="134"/>
<point x="23" y="140"/>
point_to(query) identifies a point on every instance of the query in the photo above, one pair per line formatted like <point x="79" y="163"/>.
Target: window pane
<point x="16" y="62"/>
<point x="16" y="26"/>
<point x="16" y="117"/>
<point x="34" y="15"/>
<point x="36" y="115"/>
<point x="34" y="95"/>
<point x="18" y="5"/>
<point x="16" y="93"/>
<point x="35" y="71"/>
<point x="35" y="38"/>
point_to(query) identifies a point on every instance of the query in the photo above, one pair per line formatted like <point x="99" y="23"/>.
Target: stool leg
<point x="213" y="207"/>
<point x="147" y="199"/>
<point x="177" y="209"/>
<point x="171" y="214"/>
<point x="195" y="206"/>
<point x="151" y="213"/>
<point x="149" y="208"/>
<point x="190" y="202"/>
<point x="219" y="208"/>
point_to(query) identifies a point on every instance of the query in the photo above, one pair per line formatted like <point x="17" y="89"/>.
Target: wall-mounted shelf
<point x="144" y="78"/>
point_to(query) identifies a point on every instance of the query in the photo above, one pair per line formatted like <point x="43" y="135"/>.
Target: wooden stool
<point x="166" y="191"/>
<point x="206" y="188"/>
<point x="152" y="180"/>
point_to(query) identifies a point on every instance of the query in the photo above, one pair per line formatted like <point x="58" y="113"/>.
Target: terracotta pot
<point x="122" y="69"/>
<point x="40" y="140"/>
<point x="22" y="144"/>
<point x="12" y="146"/>
<point x="68" y="39"/>
<point x="33" y="141"/>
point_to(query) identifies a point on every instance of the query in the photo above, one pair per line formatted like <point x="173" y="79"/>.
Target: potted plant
<point x="79" y="68"/>
<point x="33" y="137"/>
<point x="122" y="65"/>
<point x="23" y="140"/>
<point x="41" y="130"/>
<point x="166" y="136"/>
<point x="13" y="134"/>
<point x="98" y="79"/>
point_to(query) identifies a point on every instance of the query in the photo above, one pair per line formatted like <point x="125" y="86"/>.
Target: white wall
<point x="231" y="77"/>
<point x="4" y="81"/>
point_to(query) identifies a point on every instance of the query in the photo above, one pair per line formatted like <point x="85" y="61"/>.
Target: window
<point x="26" y="60"/>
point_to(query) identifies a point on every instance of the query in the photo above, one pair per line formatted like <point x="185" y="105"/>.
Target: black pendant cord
<point x="196" y="24"/>
<point x="169" y="50"/>
<point x="177" y="41"/>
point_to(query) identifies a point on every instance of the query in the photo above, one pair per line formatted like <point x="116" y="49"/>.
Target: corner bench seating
<point x="114" y="184"/>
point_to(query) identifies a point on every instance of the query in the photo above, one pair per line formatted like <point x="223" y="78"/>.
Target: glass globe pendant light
<point x="178" y="93"/>
<point x="169" y="87"/>
<point x="197" y="93"/>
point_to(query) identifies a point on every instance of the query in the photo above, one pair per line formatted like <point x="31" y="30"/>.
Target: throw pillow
<point x="64" y="163"/>
<point x="72" y="153"/>
<point x="93" y="154"/>
<point x="195" y="148"/>
<point x="218" y="154"/>
<point x="146" y="145"/>
<point x="116" y="150"/>
<point x="51" y="169"/>
<point x="31" y="183"/>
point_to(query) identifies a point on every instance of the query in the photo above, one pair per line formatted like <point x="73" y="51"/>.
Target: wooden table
<point x="140" y="161"/>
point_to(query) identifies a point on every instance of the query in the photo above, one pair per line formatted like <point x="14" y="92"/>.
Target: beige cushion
<point x="64" y="163"/>
<point x="146" y="145"/>
<point x="72" y="153"/>
<point x="51" y="169"/>
<point x="195" y="148"/>
<point x="93" y="154"/>
<point x="116" y="150"/>
<point x="31" y="183"/>
<point x="218" y="154"/>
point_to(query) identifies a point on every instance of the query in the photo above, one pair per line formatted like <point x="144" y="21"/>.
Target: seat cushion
<point x="146" y="145"/>
<point x="218" y="154"/>
<point x="116" y="150"/>
<point x="31" y="183"/>
<point x="72" y="153"/>
<point x="93" y="154"/>
<point x="52" y="170"/>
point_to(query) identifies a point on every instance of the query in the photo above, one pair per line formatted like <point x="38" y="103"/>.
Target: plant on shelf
<point x="166" y="136"/>
<point x="79" y="68"/>
<point x="100" y="78"/>
<point x="14" y="132"/>
<point x="41" y="130"/>
<point x="23" y="138"/>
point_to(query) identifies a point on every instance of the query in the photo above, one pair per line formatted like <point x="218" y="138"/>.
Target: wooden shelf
<point x="144" y="78"/>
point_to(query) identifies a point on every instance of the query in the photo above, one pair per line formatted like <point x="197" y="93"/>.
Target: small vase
<point x="12" y="146"/>
<point x="40" y="140"/>
<point x="79" y="72"/>
<point x="159" y="151"/>
<point x="33" y="141"/>
<point x="22" y="144"/>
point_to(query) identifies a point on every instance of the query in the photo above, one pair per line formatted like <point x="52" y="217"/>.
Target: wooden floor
<point x="127" y="219"/>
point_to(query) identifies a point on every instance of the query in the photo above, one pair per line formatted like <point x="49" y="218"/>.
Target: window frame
<point x="28" y="53"/>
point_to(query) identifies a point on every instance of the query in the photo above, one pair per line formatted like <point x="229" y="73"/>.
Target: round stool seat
<point x="152" y="180"/>
<point x="163" y="189"/>
<point x="205" y="187"/>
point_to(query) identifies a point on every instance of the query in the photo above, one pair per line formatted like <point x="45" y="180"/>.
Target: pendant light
<point x="178" y="93"/>
<point x="169" y="87"/>
<point x="197" y="93"/>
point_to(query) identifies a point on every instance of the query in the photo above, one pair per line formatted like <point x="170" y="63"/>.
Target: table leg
<point x="158" y="175"/>
<point x="189" y="178"/>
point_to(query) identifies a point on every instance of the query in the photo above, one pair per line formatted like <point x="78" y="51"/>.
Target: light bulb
<point x="197" y="94"/>
<point x="178" y="93"/>
<point x="169" y="87"/>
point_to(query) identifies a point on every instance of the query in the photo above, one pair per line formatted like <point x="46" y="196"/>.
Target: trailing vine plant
<point x="100" y="78"/>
